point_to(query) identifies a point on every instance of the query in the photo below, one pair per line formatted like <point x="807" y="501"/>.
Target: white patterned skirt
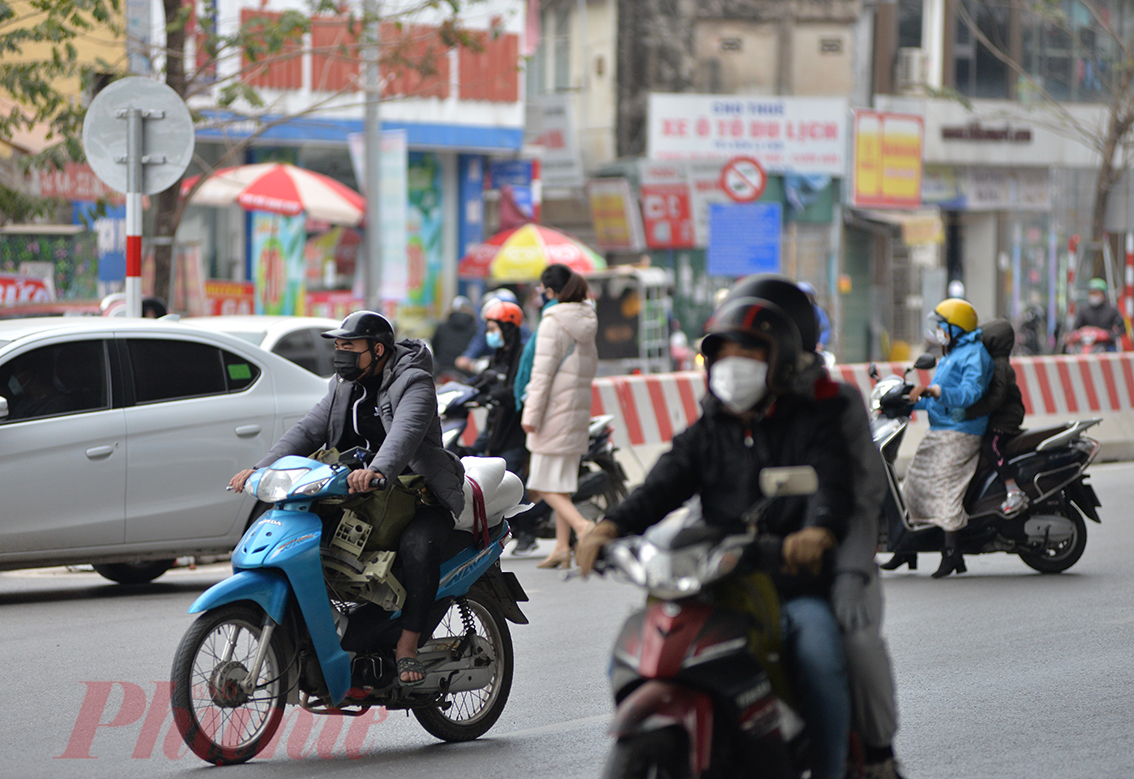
<point x="554" y="472"/>
<point x="934" y="489"/>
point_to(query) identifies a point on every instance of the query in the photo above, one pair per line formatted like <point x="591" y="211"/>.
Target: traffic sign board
<point x="166" y="128"/>
<point x="743" y="179"/>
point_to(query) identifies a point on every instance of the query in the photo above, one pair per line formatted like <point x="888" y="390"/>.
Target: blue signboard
<point x="110" y="229"/>
<point x="517" y="175"/>
<point x="744" y="238"/>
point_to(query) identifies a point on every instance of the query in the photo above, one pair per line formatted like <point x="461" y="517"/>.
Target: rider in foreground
<point x="750" y="421"/>
<point x="383" y="400"/>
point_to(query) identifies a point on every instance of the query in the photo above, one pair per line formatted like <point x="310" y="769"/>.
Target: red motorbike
<point x="1088" y="340"/>
<point x="692" y="700"/>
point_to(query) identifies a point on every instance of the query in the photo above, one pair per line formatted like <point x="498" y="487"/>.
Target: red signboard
<point x="225" y="298"/>
<point x="16" y="289"/>
<point x="666" y="216"/>
<point x="335" y="304"/>
<point x="76" y="181"/>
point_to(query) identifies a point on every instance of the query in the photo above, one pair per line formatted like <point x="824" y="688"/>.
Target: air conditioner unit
<point x="910" y="76"/>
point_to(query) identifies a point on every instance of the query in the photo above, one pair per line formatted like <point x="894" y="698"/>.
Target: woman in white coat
<point x="557" y="401"/>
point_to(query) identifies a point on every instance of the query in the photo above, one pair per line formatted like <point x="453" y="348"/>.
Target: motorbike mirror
<point x="873" y="372"/>
<point x="795" y="480"/>
<point x="925" y="362"/>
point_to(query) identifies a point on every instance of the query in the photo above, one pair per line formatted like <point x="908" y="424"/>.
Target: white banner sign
<point x="786" y="134"/>
<point x="560" y="162"/>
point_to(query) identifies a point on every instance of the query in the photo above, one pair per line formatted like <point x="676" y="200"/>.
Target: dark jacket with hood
<point x="451" y="339"/>
<point x="1103" y="316"/>
<point x="855" y="554"/>
<point x="719" y="457"/>
<point x="1002" y="402"/>
<point x="406" y="403"/>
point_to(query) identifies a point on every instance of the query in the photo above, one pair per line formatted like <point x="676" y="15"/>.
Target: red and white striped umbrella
<point x="281" y="189"/>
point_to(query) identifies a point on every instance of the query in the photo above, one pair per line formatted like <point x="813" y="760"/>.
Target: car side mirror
<point x="925" y="362"/>
<point x="782" y="482"/>
<point x="3" y="408"/>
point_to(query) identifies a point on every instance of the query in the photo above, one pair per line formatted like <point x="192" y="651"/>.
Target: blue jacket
<point x="963" y="375"/>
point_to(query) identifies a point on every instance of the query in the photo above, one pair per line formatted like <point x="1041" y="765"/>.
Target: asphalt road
<point x="1002" y="673"/>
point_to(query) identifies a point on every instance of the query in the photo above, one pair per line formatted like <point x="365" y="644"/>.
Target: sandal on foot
<point x="410" y="665"/>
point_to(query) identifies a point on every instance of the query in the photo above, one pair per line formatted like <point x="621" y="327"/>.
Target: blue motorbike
<point x="311" y="617"/>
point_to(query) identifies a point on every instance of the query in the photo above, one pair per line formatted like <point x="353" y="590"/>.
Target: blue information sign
<point x="744" y="238"/>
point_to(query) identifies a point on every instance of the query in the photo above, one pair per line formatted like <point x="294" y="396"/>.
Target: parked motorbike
<point x="1088" y="340"/>
<point x="1048" y="464"/>
<point x="282" y="629"/>
<point x="692" y="699"/>
<point x="602" y="479"/>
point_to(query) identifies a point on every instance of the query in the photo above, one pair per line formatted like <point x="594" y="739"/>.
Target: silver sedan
<point x="117" y="438"/>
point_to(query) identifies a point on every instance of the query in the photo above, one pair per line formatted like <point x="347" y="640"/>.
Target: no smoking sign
<point x="743" y="179"/>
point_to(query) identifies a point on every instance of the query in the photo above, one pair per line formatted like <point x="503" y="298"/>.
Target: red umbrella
<point x="521" y="254"/>
<point x="282" y="189"/>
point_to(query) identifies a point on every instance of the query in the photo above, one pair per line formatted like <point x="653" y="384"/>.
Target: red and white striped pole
<point x="1128" y="293"/>
<point x="1072" y="261"/>
<point x="537" y="192"/>
<point x="134" y="172"/>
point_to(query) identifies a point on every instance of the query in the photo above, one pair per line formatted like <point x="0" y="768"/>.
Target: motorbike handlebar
<point x="379" y="483"/>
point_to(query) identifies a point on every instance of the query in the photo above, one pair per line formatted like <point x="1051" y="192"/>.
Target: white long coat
<point x="558" y="400"/>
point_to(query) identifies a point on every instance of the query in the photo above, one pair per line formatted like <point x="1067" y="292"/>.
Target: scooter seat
<point x="1028" y="440"/>
<point x="500" y="488"/>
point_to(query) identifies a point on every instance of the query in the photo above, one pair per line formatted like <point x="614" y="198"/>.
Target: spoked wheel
<point x="1061" y="556"/>
<point x="463" y="716"/>
<point x="655" y="754"/>
<point x="220" y="719"/>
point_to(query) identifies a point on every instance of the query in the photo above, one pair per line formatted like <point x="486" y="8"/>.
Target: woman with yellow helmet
<point x="947" y="456"/>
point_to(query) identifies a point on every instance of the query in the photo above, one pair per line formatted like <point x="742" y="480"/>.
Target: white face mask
<point x="738" y="382"/>
<point x="939" y="337"/>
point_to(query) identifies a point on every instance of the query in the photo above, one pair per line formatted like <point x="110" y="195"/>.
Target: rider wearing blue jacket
<point x="947" y="457"/>
<point x="961" y="379"/>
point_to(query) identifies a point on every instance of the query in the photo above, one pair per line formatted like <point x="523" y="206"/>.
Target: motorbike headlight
<point x="719" y="564"/>
<point x="444" y="399"/>
<point x="880" y="390"/>
<point x="671" y="574"/>
<point x="275" y="485"/>
<point x="313" y="487"/>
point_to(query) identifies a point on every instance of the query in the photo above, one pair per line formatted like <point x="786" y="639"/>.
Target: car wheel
<point x="134" y="573"/>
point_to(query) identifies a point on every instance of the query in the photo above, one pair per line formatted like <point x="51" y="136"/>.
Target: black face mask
<point x="346" y="365"/>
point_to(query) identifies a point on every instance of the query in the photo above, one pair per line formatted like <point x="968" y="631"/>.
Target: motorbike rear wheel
<point x="655" y="754"/>
<point x="220" y="722"/>
<point x="1060" y="557"/>
<point x="466" y="715"/>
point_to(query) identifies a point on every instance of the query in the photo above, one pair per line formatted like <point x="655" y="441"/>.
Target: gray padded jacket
<point x="407" y="405"/>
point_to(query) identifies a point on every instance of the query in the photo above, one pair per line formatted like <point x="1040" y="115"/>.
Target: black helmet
<point x="364" y="324"/>
<point x="757" y="322"/>
<point x="786" y="294"/>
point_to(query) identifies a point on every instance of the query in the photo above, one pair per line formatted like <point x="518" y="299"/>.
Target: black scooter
<point x="602" y="479"/>
<point x="1048" y="464"/>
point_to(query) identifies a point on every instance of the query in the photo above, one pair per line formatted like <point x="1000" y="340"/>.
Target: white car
<point x="296" y="338"/>
<point x="119" y="436"/>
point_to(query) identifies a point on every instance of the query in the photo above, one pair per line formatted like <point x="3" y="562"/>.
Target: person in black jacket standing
<point x="1004" y="405"/>
<point x="750" y="421"/>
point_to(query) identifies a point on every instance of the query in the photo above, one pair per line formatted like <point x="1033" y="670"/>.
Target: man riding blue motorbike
<point x="383" y="400"/>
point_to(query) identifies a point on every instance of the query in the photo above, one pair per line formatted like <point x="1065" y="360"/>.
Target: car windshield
<point x="251" y="336"/>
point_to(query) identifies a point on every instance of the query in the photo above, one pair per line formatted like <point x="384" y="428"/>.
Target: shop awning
<point x="920" y="227"/>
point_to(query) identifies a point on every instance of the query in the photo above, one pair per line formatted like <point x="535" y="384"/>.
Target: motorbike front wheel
<point x="655" y="754"/>
<point x="1059" y="557"/>
<point x="465" y="715"/>
<point x="221" y="721"/>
